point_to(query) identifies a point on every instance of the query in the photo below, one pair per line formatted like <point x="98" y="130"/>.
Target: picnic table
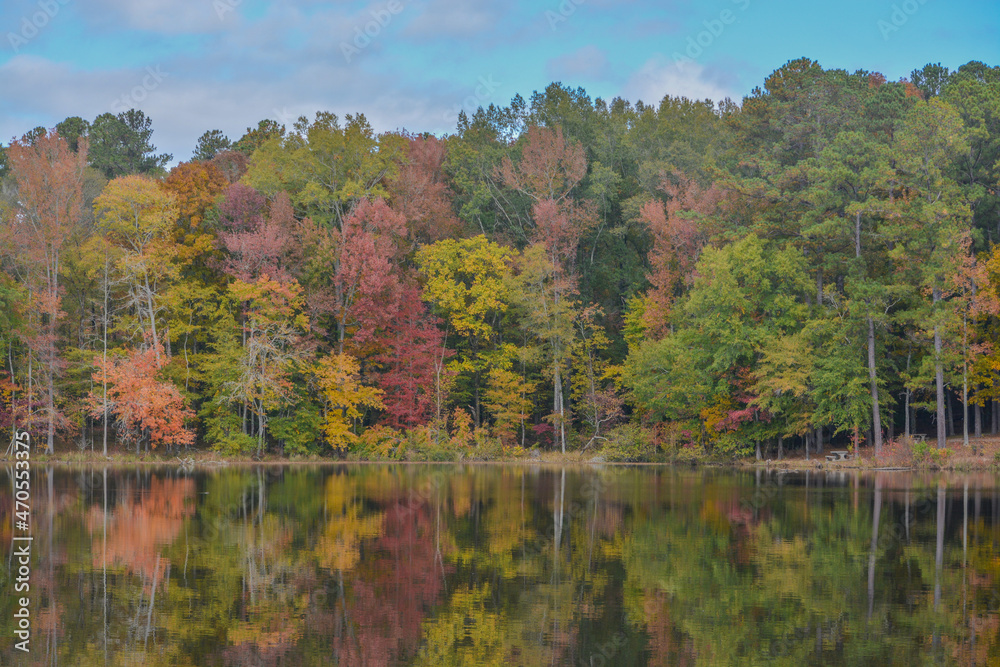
<point x="920" y="437"/>
<point x="837" y="455"/>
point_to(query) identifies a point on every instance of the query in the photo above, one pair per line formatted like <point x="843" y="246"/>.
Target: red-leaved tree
<point x="412" y="360"/>
<point x="419" y="192"/>
<point x="257" y="240"/>
<point x="680" y="229"/>
<point x="368" y="283"/>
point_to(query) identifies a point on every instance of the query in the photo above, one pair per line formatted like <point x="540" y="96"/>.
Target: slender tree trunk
<point x="965" y="379"/>
<point x="559" y="407"/>
<point x="939" y="377"/>
<point x="781" y="441"/>
<point x="949" y="411"/>
<point x="994" y="417"/>
<point x="51" y="354"/>
<point x="477" y="405"/>
<point x="104" y="379"/>
<point x="819" y="439"/>
<point x="906" y="399"/>
<point x="876" y="415"/>
<point x="978" y="411"/>
<point x="13" y="394"/>
<point x="243" y="403"/>
<point x="339" y="297"/>
<point x="439" y="382"/>
<point x="857" y="234"/>
<point x="152" y="318"/>
<point x="51" y="435"/>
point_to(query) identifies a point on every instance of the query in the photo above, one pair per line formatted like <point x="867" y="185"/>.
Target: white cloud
<point x="189" y="98"/>
<point x="170" y="16"/>
<point x="660" y="76"/>
<point x="459" y="19"/>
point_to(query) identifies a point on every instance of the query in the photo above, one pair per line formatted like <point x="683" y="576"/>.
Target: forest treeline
<point x="815" y="263"/>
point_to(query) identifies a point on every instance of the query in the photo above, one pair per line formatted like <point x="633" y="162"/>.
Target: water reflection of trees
<point x="825" y="583"/>
<point x="382" y="565"/>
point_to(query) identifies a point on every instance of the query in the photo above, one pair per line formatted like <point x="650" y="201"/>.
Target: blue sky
<point x="195" y="65"/>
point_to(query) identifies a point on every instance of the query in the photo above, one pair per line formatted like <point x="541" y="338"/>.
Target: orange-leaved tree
<point x="147" y="410"/>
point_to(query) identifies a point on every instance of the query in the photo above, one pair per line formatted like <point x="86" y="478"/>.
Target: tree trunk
<point x="907" y="431"/>
<point x="876" y="415"/>
<point x="857" y="234"/>
<point x="559" y="407"/>
<point x="965" y="380"/>
<point x="476" y="400"/>
<point x="50" y="439"/>
<point x="906" y="413"/>
<point x="819" y="439"/>
<point x="939" y="377"/>
<point x="978" y="411"/>
<point x="949" y="411"/>
<point x="152" y="318"/>
<point x="104" y="379"/>
<point x="781" y="440"/>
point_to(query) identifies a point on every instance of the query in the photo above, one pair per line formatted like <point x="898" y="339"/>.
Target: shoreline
<point x="957" y="461"/>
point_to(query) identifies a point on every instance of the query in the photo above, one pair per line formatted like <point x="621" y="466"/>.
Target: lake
<point x="504" y="565"/>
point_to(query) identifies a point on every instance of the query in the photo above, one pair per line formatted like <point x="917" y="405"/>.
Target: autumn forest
<point x="817" y="265"/>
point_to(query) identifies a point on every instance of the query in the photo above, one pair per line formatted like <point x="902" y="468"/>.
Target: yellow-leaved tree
<point x="344" y="398"/>
<point x="137" y="215"/>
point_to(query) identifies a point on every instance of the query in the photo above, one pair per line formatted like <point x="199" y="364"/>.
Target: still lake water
<point x="505" y="565"/>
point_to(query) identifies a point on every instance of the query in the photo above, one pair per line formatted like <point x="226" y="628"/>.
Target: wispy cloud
<point x="660" y="76"/>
